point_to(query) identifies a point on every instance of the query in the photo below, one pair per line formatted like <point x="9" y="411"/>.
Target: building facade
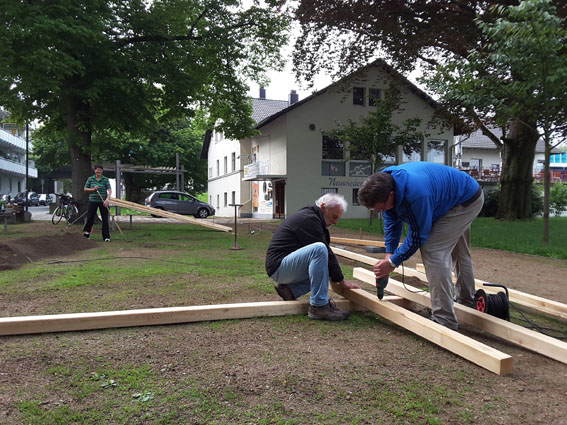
<point x="291" y="162"/>
<point x="13" y="157"/>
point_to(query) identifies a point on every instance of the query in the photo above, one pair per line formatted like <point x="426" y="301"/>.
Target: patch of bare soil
<point x="14" y="253"/>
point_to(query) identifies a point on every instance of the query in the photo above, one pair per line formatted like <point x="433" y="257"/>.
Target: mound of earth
<point x="15" y="253"/>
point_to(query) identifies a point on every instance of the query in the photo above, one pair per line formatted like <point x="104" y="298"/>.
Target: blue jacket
<point x="424" y="192"/>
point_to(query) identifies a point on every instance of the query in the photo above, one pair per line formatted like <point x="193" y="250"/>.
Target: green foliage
<point x="558" y="198"/>
<point x="376" y="136"/>
<point x="95" y="69"/>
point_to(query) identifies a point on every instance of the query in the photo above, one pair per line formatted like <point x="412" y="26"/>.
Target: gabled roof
<point x="264" y="108"/>
<point x="378" y="63"/>
<point x="477" y="140"/>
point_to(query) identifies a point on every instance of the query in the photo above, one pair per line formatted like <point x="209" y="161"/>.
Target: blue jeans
<point x="304" y="270"/>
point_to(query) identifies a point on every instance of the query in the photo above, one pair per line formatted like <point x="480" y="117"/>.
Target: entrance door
<point x="279" y="199"/>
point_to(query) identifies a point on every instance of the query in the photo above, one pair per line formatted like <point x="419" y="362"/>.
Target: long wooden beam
<point x="363" y="242"/>
<point x="534" y="341"/>
<point x="553" y="308"/>
<point x="474" y="351"/>
<point x="160" y="316"/>
<point x="167" y="214"/>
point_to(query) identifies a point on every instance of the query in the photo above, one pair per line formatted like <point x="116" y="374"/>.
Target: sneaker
<point x="86" y="235"/>
<point x="327" y="312"/>
<point x="107" y="240"/>
<point x="284" y="291"/>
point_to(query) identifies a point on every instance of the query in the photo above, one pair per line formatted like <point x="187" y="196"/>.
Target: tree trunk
<point x="546" y="189"/>
<point x="133" y="190"/>
<point x="518" y="153"/>
<point x="79" y="142"/>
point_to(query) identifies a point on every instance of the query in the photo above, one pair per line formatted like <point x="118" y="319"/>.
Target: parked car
<point x="46" y="198"/>
<point x="32" y="199"/>
<point x="180" y="203"/>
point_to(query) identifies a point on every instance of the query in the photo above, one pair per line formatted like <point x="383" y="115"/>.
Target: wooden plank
<point x="156" y="316"/>
<point x="474" y="351"/>
<point x="167" y="214"/>
<point x="534" y="341"/>
<point x="553" y="308"/>
<point x="363" y="242"/>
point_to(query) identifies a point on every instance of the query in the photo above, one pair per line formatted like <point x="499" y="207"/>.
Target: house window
<point x="218" y="167"/>
<point x="333" y="148"/>
<point x="412" y="151"/>
<point x="233" y="161"/>
<point x="225" y="199"/>
<point x="210" y="172"/>
<point x="374" y="95"/>
<point x="333" y="168"/>
<point x="355" y="197"/>
<point x="233" y="197"/>
<point x="325" y="190"/>
<point x="436" y="151"/>
<point x="211" y="199"/>
<point x="358" y="96"/>
<point x="225" y="164"/>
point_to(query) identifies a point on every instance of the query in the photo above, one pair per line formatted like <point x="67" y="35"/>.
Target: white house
<point x="13" y="158"/>
<point x="477" y="154"/>
<point x="291" y="162"/>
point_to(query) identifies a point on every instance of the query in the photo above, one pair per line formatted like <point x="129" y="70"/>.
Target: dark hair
<point x="98" y="166"/>
<point x="375" y="189"/>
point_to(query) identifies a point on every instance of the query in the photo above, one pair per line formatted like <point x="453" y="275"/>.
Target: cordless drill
<point x="381" y="284"/>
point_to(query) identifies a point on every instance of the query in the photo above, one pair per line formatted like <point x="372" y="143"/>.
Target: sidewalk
<point x="225" y="221"/>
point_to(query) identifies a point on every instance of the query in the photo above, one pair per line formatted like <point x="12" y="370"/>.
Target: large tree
<point x="97" y="65"/>
<point x="338" y="36"/>
<point x="521" y="72"/>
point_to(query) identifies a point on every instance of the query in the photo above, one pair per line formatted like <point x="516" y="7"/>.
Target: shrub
<point x="558" y="198"/>
<point x="492" y="198"/>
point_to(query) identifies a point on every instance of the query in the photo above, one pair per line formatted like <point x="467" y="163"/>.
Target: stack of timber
<point x="526" y="338"/>
<point x="543" y="305"/>
<point x="468" y="348"/>
<point x="167" y="214"/>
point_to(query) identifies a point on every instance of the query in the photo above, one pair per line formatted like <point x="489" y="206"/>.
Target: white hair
<point x="332" y="200"/>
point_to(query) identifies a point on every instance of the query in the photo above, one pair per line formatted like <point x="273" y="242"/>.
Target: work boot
<point x="328" y="311"/>
<point x="284" y="291"/>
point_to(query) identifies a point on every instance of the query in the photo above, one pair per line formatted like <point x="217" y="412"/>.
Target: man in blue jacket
<point x="438" y="203"/>
<point x="300" y="260"/>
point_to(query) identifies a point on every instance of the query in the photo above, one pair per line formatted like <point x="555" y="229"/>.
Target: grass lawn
<point x="266" y="370"/>
<point x="524" y="237"/>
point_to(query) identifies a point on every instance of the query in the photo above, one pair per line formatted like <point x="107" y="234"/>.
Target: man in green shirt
<point x="98" y="188"/>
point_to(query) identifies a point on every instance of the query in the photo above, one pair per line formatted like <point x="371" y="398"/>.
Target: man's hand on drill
<point x="383" y="268"/>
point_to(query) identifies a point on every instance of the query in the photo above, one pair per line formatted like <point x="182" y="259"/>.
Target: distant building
<point x="479" y="156"/>
<point x="291" y="162"/>
<point x="13" y="157"/>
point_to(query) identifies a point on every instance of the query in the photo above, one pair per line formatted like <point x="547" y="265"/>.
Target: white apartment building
<point x="13" y="158"/>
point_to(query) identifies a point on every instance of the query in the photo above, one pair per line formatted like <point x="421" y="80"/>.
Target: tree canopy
<point x="340" y="36"/>
<point x="98" y="65"/>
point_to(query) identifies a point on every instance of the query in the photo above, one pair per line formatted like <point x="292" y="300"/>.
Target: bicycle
<point x="66" y="209"/>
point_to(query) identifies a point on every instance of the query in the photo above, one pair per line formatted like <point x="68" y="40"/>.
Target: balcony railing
<point x="11" y="140"/>
<point x="17" y="169"/>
